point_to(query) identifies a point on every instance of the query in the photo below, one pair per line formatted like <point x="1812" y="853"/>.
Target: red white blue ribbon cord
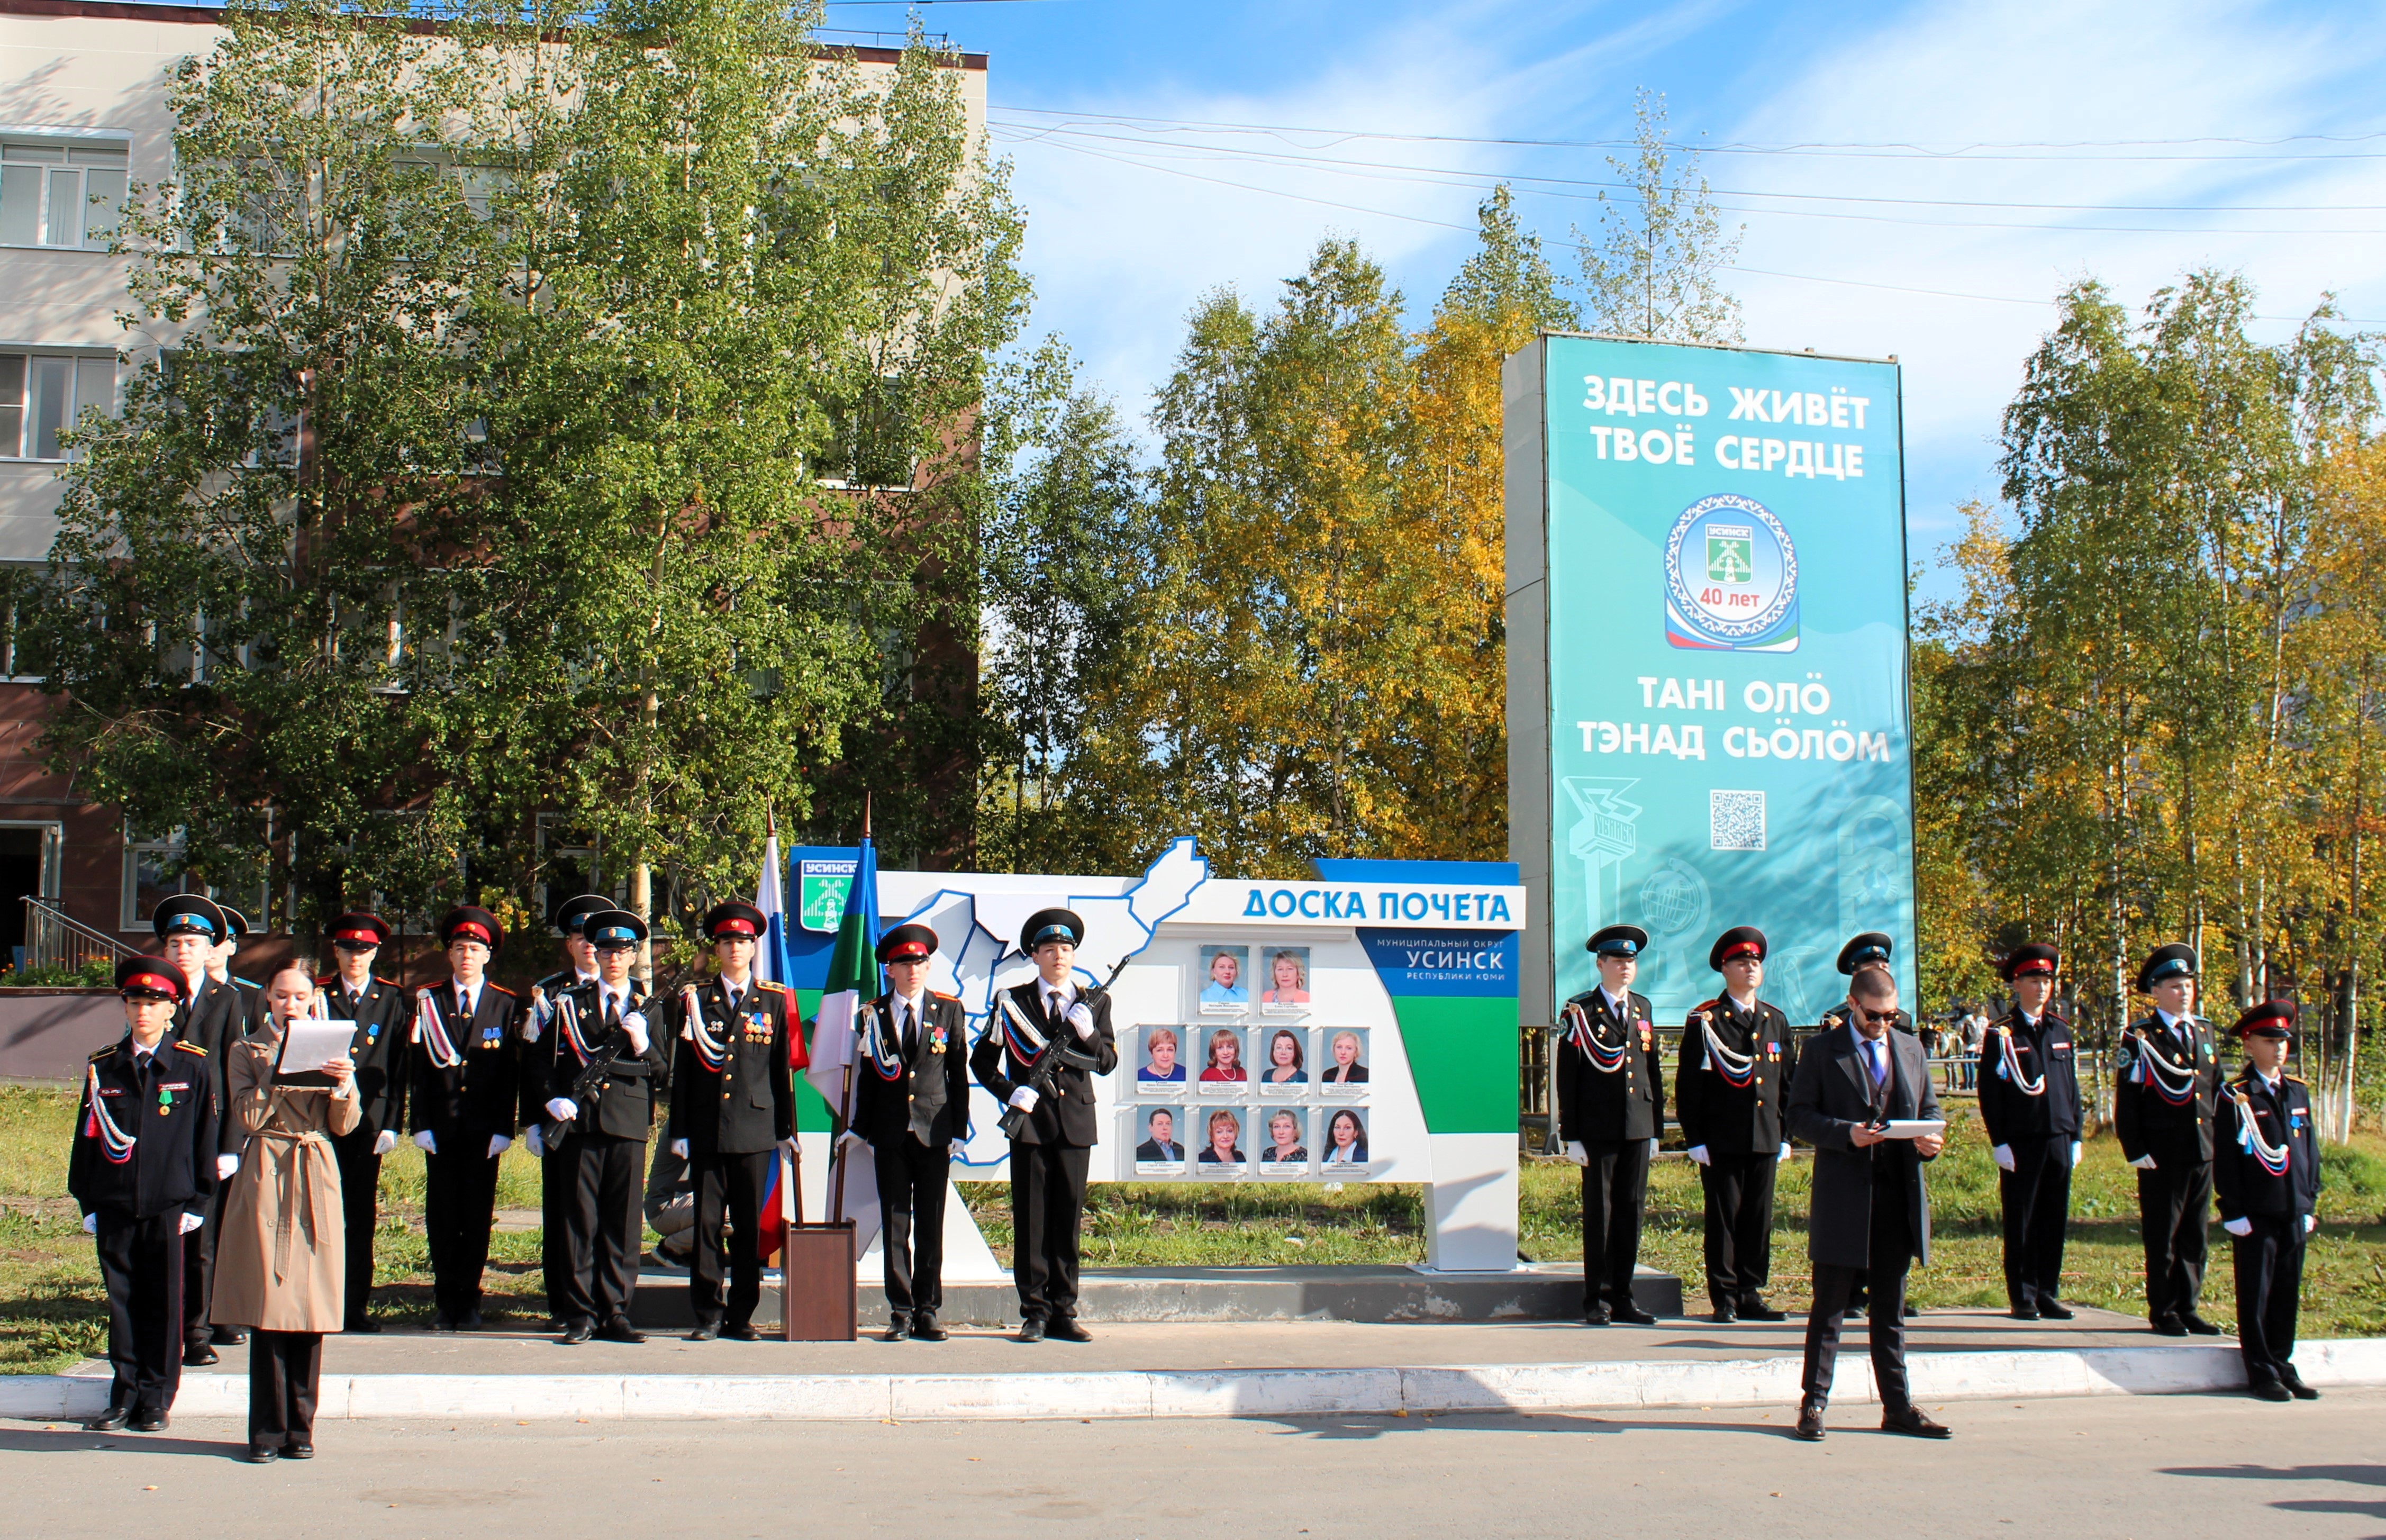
<point x="2009" y="1066"/>
<point x="1585" y="1037"/>
<point x="2271" y="1158"/>
<point x="711" y="1053"/>
<point x="1021" y="1038"/>
<point x="1735" y="1071"/>
<point x="430" y="1032"/>
<point x="567" y="1013"/>
<point x="113" y="1142"/>
<point x="886" y="1058"/>
<point x="2173" y="1083"/>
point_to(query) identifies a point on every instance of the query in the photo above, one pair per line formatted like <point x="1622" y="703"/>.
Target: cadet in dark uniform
<point x="2029" y="1106"/>
<point x="580" y="969"/>
<point x="143" y="1170"/>
<point x="1054" y="1150"/>
<point x="598" y="1141"/>
<point x="1611" y="1106"/>
<point x="733" y="1109"/>
<point x="208" y="1015"/>
<point x="2266" y="1166"/>
<point x="910" y="1104"/>
<point x="252" y="994"/>
<point x="2165" y="1095"/>
<point x="1728" y="1089"/>
<point x="378" y="1008"/>
<point x="466" y="1092"/>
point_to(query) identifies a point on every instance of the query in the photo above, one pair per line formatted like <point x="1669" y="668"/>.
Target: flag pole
<point x="844" y="1086"/>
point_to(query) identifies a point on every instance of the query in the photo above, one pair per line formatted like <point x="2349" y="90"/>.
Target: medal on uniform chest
<point x="936" y="1041"/>
<point x="165" y="1101"/>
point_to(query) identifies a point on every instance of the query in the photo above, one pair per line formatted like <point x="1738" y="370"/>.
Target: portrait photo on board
<point x="1283" y="1145"/>
<point x="1159" y="1141"/>
<point x="1283" y="1060"/>
<point x="1342" y="1067"/>
<point x="1346" y="1139"/>
<point x="1226" y="979"/>
<point x="1222" y="1142"/>
<point x="1284" y="980"/>
<point x="1160" y="1070"/>
<point x="1223" y="1069"/>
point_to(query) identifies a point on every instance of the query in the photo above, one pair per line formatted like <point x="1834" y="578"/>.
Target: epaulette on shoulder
<point x="2298" y="1079"/>
<point x="391" y="982"/>
<point x="323" y="979"/>
<point x="190" y="1048"/>
<point x="781" y="989"/>
<point x="1704" y="1007"/>
<point x="99" y="1054"/>
<point x="501" y="990"/>
<point x="933" y="994"/>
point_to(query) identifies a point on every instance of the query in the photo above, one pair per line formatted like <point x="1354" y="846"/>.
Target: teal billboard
<point x="1707" y="643"/>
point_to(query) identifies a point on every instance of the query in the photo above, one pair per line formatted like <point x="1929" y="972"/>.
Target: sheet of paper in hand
<point x="307" y="1046"/>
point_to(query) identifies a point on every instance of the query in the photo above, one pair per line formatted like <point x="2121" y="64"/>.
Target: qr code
<point x="1736" y="820"/>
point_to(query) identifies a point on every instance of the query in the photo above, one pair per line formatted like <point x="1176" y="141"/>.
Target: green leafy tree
<point x="1654" y="266"/>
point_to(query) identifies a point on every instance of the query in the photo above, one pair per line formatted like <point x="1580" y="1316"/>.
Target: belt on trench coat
<point x="289" y="1207"/>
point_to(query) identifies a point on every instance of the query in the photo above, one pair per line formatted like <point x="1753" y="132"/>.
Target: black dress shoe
<point x="2026" y="1312"/>
<point x="2295" y="1386"/>
<point x="620" y="1329"/>
<point x="1756" y="1310"/>
<point x="744" y="1331"/>
<point x="109" y="1421"/>
<point x="263" y="1453"/>
<point x="925" y="1328"/>
<point x="2056" y="1310"/>
<point x="1725" y="1314"/>
<point x="2168" y="1326"/>
<point x="364" y="1324"/>
<point x="1810" y="1421"/>
<point x="230" y="1336"/>
<point x="897" y="1327"/>
<point x="1909" y="1421"/>
<point x="443" y="1322"/>
<point x="1596" y="1315"/>
<point x="198" y="1355"/>
<point x="148" y="1420"/>
<point x="2198" y="1325"/>
<point x="2261" y="1390"/>
<point x="1631" y="1314"/>
<point x="1067" y="1330"/>
<point x="1913" y="1311"/>
<point x="1032" y="1329"/>
<point x="297" y="1448"/>
<point x="471" y="1321"/>
<point x="705" y="1331"/>
<point x="577" y="1332"/>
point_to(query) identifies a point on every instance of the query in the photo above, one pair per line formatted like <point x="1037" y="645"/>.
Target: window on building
<point x="152" y="875"/>
<point x="40" y="396"/>
<point x="60" y="190"/>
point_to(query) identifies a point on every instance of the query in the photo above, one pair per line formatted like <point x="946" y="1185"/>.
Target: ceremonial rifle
<point x="1059" y="1051"/>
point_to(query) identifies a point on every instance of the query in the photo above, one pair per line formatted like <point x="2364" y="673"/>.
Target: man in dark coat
<point x="461" y="1108"/>
<point x="1869" y="1218"/>
<point x="2165" y="1102"/>
<point x="536" y="1020"/>
<point x="910" y="1106"/>
<point x="732" y="1109"/>
<point x="1728" y="1090"/>
<point x="2265" y="1169"/>
<point x="378" y="1007"/>
<point x="210" y="1015"/>
<point x="1610" y="1104"/>
<point x="2030" y="1108"/>
<point x="1053" y="1152"/>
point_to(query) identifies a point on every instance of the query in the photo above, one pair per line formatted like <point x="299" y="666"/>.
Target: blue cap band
<point x="2169" y="968"/>
<point x="616" y="933"/>
<point x="1055" y="932"/>
<point x="1620" y="947"/>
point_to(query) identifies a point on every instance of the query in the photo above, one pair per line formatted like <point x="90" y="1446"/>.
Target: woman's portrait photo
<point x="1284" y="1145"/>
<point x="1346" y="1139"/>
<point x="1287" y="1063"/>
<point x="1225" y="1064"/>
<point x="1286" y="986"/>
<point x="1224" y="987"/>
<point x="1160" y="1064"/>
<point x="1225" y="1139"/>
<point x="1348" y="1065"/>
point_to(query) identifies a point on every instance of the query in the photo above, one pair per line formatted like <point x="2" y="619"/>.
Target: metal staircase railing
<point x="55" y="938"/>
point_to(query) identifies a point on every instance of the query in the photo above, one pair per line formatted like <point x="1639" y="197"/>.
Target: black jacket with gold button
<point x="384" y="1015"/>
<point x="1615" y="1090"/>
<point x="2281" y="1120"/>
<point x="1747" y="1119"/>
<point x="731" y="1090"/>
<point x="2150" y="1067"/>
<point x="928" y="1095"/>
<point x="167" y="1107"/>
<point x="636" y="1089"/>
<point x="464" y="1103"/>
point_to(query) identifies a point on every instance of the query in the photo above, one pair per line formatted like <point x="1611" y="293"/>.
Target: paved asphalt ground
<point x="2137" y="1467"/>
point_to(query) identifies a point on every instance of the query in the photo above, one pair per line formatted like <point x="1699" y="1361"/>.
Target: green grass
<point x="52" y="1312"/>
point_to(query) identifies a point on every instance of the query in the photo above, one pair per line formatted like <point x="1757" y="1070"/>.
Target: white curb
<point x="1937" y="1377"/>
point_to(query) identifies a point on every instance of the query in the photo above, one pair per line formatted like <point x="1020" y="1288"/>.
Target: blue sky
<point x="1943" y="255"/>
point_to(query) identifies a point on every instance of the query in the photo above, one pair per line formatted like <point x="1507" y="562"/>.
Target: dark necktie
<point x="613" y="1011"/>
<point x="464" y="1003"/>
<point x="911" y="1031"/>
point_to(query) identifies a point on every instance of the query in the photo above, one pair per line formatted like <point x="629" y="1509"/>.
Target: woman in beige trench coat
<point x="281" y="1258"/>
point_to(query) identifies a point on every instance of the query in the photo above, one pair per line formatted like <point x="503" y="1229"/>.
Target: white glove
<point x="1698" y="1154"/>
<point x="563" y="1109"/>
<point x="91" y="1224"/>
<point x="225" y="1165"/>
<point x="1082" y="1019"/>
<point x="2239" y="1228"/>
<point x="2311" y="1222"/>
<point x="2143" y="1163"/>
<point x="2002" y="1155"/>
<point x="427" y="1141"/>
<point x="192" y="1222"/>
<point x="850" y="1137"/>
<point x="385" y="1141"/>
<point x="530" y="1030"/>
<point x="2075" y="1148"/>
<point x="498" y="1143"/>
<point x="788" y="1144"/>
<point x="955" y="1148"/>
<point x="1023" y="1098"/>
<point x="679" y="1148"/>
<point x="636" y="1024"/>
<point x="533" y="1141"/>
<point x="1783" y="1154"/>
<point x="1576" y="1152"/>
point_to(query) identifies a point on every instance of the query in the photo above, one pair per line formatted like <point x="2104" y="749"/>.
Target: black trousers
<point x="912" y="1180"/>
<point x="2174" y="1216"/>
<point x="2037" y="1195"/>
<point x="728" y="1186"/>
<point x="199" y="1269"/>
<point x="283" y="1369"/>
<point x="359" y="1215"/>
<point x="1739" y="1226"/>
<point x="2270" y="1286"/>
<point x="554" y="1256"/>
<point x="1614" y="1197"/>
<point x="1889" y="1247"/>
<point x="602" y="1177"/>
<point x="460" y="1196"/>
<point x="142" y="1264"/>
<point x="1048" y="1203"/>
